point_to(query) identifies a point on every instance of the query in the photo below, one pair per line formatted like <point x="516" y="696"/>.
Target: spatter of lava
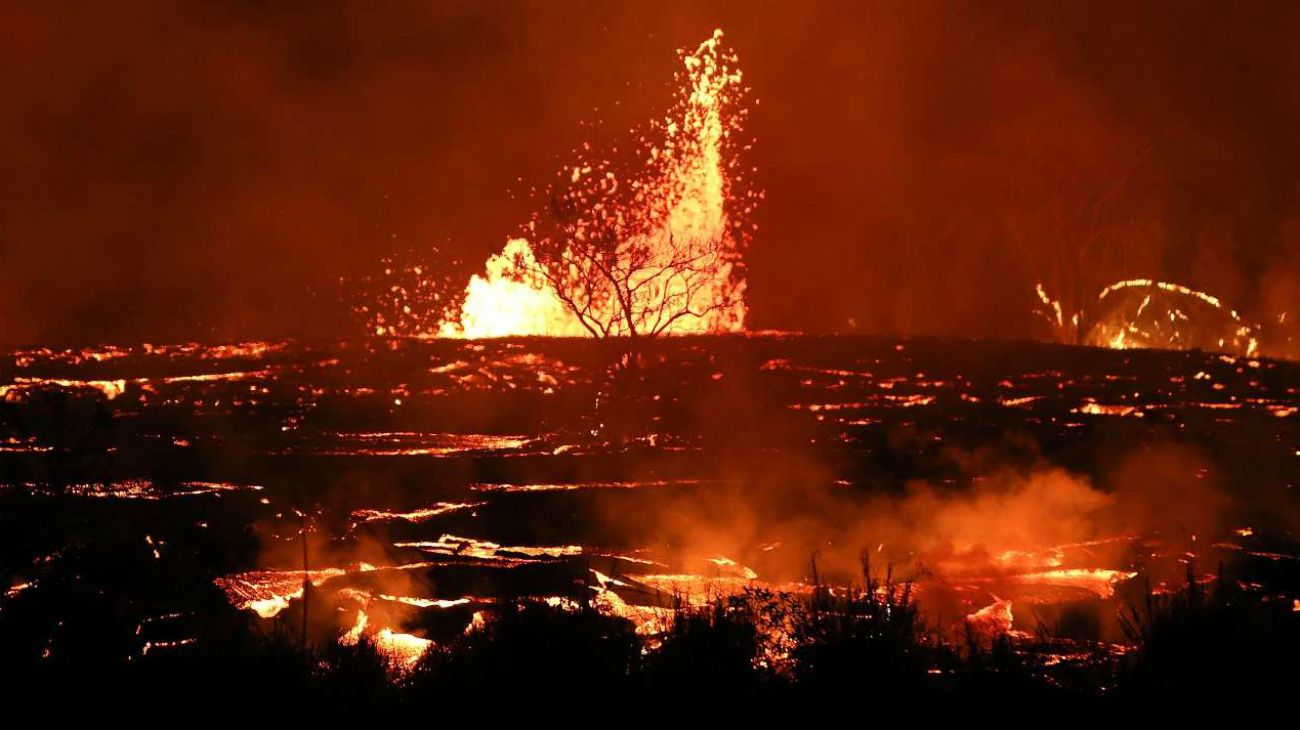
<point x="683" y="189"/>
<point x="1157" y="314"/>
<point x="1144" y="313"/>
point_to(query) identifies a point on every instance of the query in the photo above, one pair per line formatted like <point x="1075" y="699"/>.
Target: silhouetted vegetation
<point x="861" y="636"/>
<point x="1211" y="640"/>
<point x="836" y="643"/>
<point x="532" y="647"/>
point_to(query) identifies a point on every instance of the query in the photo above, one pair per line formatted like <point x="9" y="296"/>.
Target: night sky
<point x="210" y="170"/>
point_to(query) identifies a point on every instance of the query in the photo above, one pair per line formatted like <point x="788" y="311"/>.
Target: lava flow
<point x="412" y="357"/>
<point x="403" y="649"/>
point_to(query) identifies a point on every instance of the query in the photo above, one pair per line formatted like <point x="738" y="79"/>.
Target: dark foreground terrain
<point x="744" y="518"/>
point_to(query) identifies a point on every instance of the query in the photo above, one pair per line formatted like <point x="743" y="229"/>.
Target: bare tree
<point x="635" y="283"/>
<point x="635" y="246"/>
<point x="1064" y="184"/>
<point x="1074" y="230"/>
<point x="634" y="266"/>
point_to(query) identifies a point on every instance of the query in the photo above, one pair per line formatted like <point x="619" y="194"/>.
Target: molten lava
<point x="505" y="302"/>
<point x="403" y="650"/>
<point x="1158" y="314"/>
<point x="268" y="592"/>
<point x="992" y="621"/>
<point x="644" y="248"/>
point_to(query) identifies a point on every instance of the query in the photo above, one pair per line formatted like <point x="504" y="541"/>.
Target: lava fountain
<point x="646" y="246"/>
<point x="1157" y="314"/>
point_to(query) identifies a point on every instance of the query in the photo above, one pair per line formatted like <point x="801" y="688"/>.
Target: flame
<point x="676" y="201"/>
